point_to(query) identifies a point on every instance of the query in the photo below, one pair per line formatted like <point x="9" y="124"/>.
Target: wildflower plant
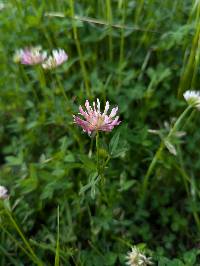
<point x="193" y="100"/>
<point x="119" y="50"/>
<point x="92" y="123"/>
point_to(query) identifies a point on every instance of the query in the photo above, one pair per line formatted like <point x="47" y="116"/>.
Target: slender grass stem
<point x="78" y="47"/>
<point x="109" y="18"/>
<point x="41" y="77"/>
<point x="57" y="257"/>
<point x="62" y="89"/>
<point x="138" y="11"/>
<point x="17" y="242"/>
<point x="29" y="248"/>
<point x="186" y="179"/>
<point x="122" y="41"/>
<point x="190" y="68"/>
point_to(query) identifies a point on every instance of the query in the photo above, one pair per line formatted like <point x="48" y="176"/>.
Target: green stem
<point x="186" y="179"/>
<point x="189" y="71"/>
<point x="62" y="89"/>
<point x="91" y="147"/>
<point x="106" y="162"/>
<point x="138" y="11"/>
<point x="160" y="149"/>
<point x="97" y="151"/>
<point x="41" y="76"/>
<point x="24" y="239"/>
<point x="78" y="47"/>
<point x="17" y="242"/>
<point x="122" y="39"/>
<point x="57" y="257"/>
<point x="109" y="18"/>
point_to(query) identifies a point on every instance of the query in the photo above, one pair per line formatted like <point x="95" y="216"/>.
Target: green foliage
<point x="139" y="55"/>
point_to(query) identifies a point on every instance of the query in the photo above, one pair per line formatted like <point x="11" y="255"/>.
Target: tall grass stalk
<point x="109" y="18"/>
<point x="16" y="242"/>
<point x="146" y="38"/>
<point x="57" y="257"/>
<point x="78" y="47"/>
<point x="196" y="64"/>
<point x="190" y="69"/>
<point x="122" y="41"/>
<point x="187" y="179"/>
<point x="62" y="90"/>
<point x="138" y="11"/>
<point x="26" y="243"/>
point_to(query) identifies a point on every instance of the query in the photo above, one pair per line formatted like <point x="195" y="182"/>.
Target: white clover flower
<point x="3" y="192"/>
<point x="193" y="98"/>
<point x="136" y="258"/>
<point x="57" y="58"/>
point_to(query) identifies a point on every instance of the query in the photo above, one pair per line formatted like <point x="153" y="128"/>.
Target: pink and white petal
<point x="116" y="121"/>
<point x="88" y="107"/>
<point x="94" y="108"/>
<point x="98" y="106"/>
<point x="84" y="124"/>
<point x="113" y="112"/>
<point x="106" y="127"/>
<point x="106" y="108"/>
<point x="83" y="113"/>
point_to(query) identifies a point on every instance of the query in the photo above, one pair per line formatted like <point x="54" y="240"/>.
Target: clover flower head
<point x="136" y="258"/>
<point x="57" y="58"/>
<point x="95" y="120"/>
<point x="193" y="98"/>
<point x="3" y="193"/>
<point x="30" y="55"/>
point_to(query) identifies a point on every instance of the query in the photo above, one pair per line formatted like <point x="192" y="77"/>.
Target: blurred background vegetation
<point x="140" y="55"/>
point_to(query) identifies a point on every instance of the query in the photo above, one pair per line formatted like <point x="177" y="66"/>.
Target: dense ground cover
<point x="66" y="205"/>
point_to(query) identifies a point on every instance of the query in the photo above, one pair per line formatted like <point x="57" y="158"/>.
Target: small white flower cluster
<point x="3" y="193"/>
<point x="193" y="98"/>
<point x="136" y="258"/>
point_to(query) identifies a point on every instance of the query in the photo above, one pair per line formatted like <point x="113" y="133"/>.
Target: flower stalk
<point x="28" y="250"/>
<point x="32" y="253"/>
<point x="97" y="151"/>
<point x="160" y="149"/>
